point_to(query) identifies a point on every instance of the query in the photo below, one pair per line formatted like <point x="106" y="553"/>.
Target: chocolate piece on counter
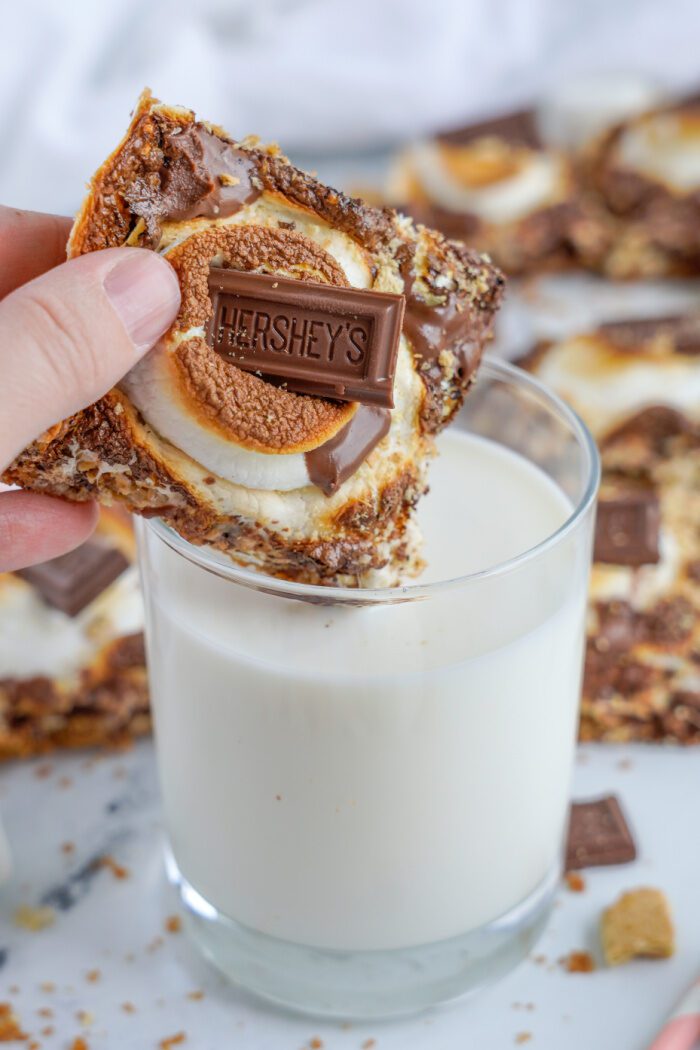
<point x="598" y="835"/>
<point x="332" y="342"/>
<point x="682" y="331"/>
<point x="336" y="460"/>
<point x="627" y="528"/>
<point x="73" y="580"/>
<point x="519" y="129"/>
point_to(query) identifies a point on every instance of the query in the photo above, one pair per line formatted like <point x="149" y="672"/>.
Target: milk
<point x="383" y="776"/>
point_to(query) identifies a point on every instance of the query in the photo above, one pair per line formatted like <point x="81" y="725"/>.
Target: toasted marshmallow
<point x="155" y="385"/>
<point x="666" y="148"/>
<point x="606" y="384"/>
<point x="471" y="179"/>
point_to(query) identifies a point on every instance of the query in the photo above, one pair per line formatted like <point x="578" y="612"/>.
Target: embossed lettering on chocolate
<point x="324" y="340"/>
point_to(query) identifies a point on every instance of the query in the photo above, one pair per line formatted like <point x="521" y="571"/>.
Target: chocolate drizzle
<point x="199" y="175"/>
<point x="336" y="460"/>
<point x="432" y="329"/>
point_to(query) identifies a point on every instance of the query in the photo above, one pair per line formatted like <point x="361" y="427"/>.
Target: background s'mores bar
<point x="637" y="385"/>
<point x="645" y="172"/>
<point x="300" y="484"/>
<point x="72" y="664"/>
<point x="498" y="186"/>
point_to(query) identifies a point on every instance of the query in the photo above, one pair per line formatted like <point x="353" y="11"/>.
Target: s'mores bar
<point x="288" y="416"/>
<point x="637" y="385"/>
<point x="645" y="171"/>
<point x="496" y="185"/>
<point x="72" y="664"/>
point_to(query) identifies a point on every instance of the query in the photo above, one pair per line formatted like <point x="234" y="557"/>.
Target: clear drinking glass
<point x="366" y="791"/>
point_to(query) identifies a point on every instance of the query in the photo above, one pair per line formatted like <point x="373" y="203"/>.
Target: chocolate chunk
<point x="627" y="528"/>
<point x="598" y="835"/>
<point x="519" y="129"/>
<point x="339" y="343"/>
<point x="681" y="332"/>
<point x="669" y="622"/>
<point x="654" y="426"/>
<point x="71" y="582"/>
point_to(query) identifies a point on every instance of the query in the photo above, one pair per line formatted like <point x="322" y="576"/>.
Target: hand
<point x="68" y="332"/>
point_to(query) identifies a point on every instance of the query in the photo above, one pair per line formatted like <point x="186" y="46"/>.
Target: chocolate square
<point x="339" y="343"/>
<point x="598" y="835"/>
<point x="627" y="528"/>
<point x="73" y="580"/>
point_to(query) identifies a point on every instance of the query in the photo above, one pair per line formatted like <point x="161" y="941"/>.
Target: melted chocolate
<point x="432" y="329"/>
<point x="199" y="176"/>
<point x="336" y="460"/>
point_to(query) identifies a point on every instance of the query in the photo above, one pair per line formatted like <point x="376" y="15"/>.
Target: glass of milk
<point x="366" y="791"/>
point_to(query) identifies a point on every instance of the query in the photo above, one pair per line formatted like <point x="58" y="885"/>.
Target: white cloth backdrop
<point x="317" y="75"/>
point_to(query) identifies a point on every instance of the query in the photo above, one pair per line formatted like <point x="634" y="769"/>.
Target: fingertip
<point x="35" y="528"/>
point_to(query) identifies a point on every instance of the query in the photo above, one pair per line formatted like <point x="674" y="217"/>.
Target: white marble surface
<point x="117" y="926"/>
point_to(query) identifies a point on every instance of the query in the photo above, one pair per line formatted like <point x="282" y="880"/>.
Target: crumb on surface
<point x="118" y="870"/>
<point x="155" y="944"/>
<point x="172" y="1040"/>
<point x="48" y="1031"/>
<point x="85" y="1018"/>
<point x="128" y="1008"/>
<point x="93" y="976"/>
<point x="638" y="924"/>
<point x="47" y="986"/>
<point x="368" y="1044"/>
<point x="10" y="1027"/>
<point x="316" y="1043"/>
<point x="575" y="881"/>
<point x="173" y="924"/>
<point x="68" y="847"/>
<point x="45" y="1011"/>
<point x="43" y="771"/>
<point x="79" y="1044"/>
<point x="578" y="962"/>
<point x="34" y="919"/>
<point x="196" y="995"/>
<point x="523" y="1037"/>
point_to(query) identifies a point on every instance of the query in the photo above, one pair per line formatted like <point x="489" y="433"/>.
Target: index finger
<point x="30" y="244"/>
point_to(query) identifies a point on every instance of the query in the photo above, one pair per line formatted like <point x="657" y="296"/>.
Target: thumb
<point x="68" y="336"/>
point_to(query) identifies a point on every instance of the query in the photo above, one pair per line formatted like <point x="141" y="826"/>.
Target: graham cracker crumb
<point x="368" y="1044"/>
<point x="93" y="976"/>
<point x="196" y="996"/>
<point x="48" y="1030"/>
<point x="79" y="1044"/>
<point x="128" y="1008"/>
<point x="316" y="1043"/>
<point x="85" y="1018"/>
<point x="578" y="962"/>
<point x="173" y="924"/>
<point x="34" y="919"/>
<point x="48" y="986"/>
<point x="10" y="1028"/>
<point x="68" y="847"/>
<point x="172" y="1040"/>
<point x="118" y="870"/>
<point x="575" y="881"/>
<point x="523" y="1037"/>
<point x="45" y="1011"/>
<point x="43" y="771"/>
<point x="638" y="924"/>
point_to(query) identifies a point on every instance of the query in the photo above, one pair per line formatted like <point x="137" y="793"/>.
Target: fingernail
<point x="144" y="291"/>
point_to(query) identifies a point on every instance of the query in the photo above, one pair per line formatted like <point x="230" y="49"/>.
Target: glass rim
<point x="494" y="368"/>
